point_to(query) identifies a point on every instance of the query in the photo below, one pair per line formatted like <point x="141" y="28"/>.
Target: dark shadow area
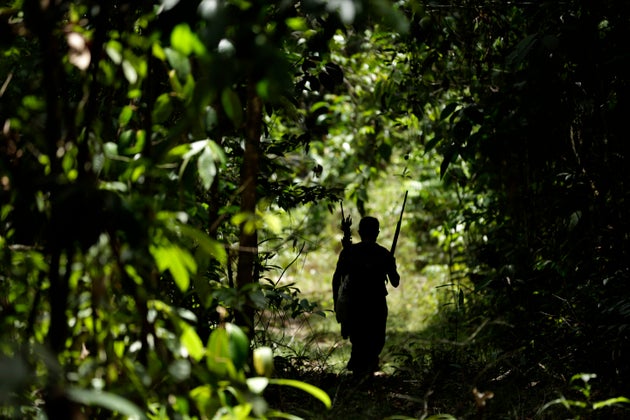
<point x="426" y="378"/>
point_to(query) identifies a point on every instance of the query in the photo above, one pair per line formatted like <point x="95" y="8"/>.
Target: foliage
<point x="584" y="407"/>
<point x="154" y="155"/>
<point x="133" y="173"/>
<point x="524" y="104"/>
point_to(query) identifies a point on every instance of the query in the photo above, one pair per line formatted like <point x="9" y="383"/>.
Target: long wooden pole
<point x="398" y="225"/>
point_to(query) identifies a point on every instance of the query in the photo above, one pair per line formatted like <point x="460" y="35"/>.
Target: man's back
<point x="368" y="265"/>
<point x="359" y="290"/>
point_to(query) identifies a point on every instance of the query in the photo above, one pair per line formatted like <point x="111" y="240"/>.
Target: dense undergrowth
<point x="447" y="354"/>
<point x="426" y="375"/>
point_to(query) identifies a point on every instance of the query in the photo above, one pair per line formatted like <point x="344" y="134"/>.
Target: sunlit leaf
<point x="208" y="8"/>
<point x="177" y="261"/>
<point x="187" y="314"/>
<point x="119" y="348"/>
<point x="179" y="62"/>
<point x="125" y="115"/>
<point x="296" y="23"/>
<point x="110" y="149"/>
<point x="191" y="341"/>
<point x="257" y="384"/>
<point x="345" y="8"/>
<point x="169" y="4"/>
<point x="611" y="401"/>
<point x="212" y="247"/>
<point x="79" y="54"/>
<point x="272" y="222"/>
<point x="207" y="168"/>
<point x="114" y="51"/>
<point x="263" y="361"/>
<point x="130" y="72"/>
<point x="226" y="47"/>
<point x="158" y="51"/>
<point x="186" y="41"/>
<point x="202" y="395"/>
<point x="311" y="389"/>
<point x="218" y="353"/>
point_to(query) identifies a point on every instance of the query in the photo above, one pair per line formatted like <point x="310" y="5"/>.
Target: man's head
<point x="369" y="229"/>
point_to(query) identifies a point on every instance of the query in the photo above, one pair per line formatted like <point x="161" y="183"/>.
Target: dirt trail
<point x="378" y="397"/>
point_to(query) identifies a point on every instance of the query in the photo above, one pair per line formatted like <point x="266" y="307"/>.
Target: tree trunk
<point x="248" y="249"/>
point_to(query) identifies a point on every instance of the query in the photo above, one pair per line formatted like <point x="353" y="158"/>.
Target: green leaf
<point x="311" y="389"/>
<point x="449" y="157"/>
<point x="610" y="401"/>
<point x="158" y="51"/>
<point x="432" y="143"/>
<point x="238" y="345"/>
<point x="107" y="400"/>
<point x="272" y="222"/>
<point x="212" y="247"/>
<point x="206" y="167"/>
<point x="186" y="41"/>
<point x="162" y="109"/>
<point x="125" y="115"/>
<point x="227" y="350"/>
<point x="296" y="23"/>
<point x="113" y="49"/>
<point x="179" y="151"/>
<point x="448" y="110"/>
<point x="212" y="118"/>
<point x="191" y="341"/>
<point x="176" y="260"/>
<point x="130" y="72"/>
<point x="218" y="352"/>
<point x="179" y="62"/>
<point x="249" y="219"/>
<point x="232" y="106"/>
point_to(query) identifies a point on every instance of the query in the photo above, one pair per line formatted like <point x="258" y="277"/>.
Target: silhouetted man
<point x="366" y="266"/>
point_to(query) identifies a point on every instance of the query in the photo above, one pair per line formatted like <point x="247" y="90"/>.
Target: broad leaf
<point x="177" y="261"/>
<point x="191" y="341"/>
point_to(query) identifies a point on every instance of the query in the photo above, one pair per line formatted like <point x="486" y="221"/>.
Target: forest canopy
<point x="154" y="157"/>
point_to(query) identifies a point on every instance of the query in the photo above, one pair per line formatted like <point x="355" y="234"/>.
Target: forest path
<point x="381" y="396"/>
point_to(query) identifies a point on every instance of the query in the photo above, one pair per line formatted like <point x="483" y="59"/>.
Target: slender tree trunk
<point x="248" y="250"/>
<point x="40" y="18"/>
